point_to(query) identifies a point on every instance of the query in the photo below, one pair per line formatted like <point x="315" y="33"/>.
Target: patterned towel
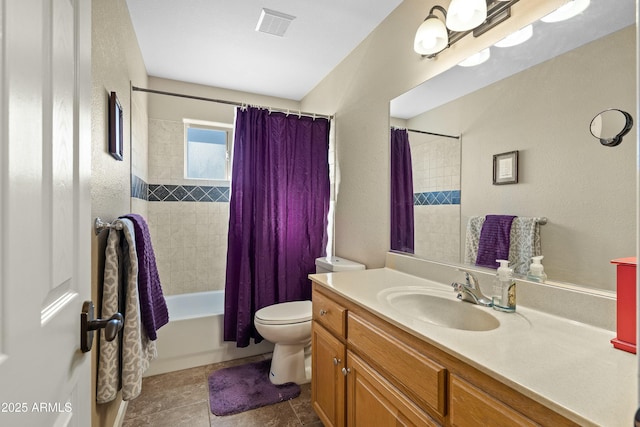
<point x="525" y="244"/>
<point x="153" y="307"/>
<point x="474" y="226"/>
<point x="123" y="360"/>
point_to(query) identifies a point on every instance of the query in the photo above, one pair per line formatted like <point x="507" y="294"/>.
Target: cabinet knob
<point x="346" y="371"/>
<point x="336" y="361"/>
<point x="323" y="312"/>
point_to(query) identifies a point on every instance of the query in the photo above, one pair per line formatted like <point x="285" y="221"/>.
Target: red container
<point x="626" y="304"/>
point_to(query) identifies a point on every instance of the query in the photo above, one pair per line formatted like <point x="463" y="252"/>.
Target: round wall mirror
<point x="610" y="126"/>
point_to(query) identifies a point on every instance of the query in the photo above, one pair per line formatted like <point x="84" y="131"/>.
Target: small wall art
<point x="505" y="168"/>
<point x="116" y="127"/>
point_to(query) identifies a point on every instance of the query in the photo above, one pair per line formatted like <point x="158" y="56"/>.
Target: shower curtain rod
<point x="222" y="101"/>
<point x="432" y="133"/>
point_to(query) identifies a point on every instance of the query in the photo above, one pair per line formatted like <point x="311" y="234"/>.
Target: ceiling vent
<point x="273" y="22"/>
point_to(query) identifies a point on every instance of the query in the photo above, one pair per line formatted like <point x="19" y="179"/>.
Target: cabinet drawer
<point x="329" y="313"/>
<point x="470" y="406"/>
<point x="419" y="377"/>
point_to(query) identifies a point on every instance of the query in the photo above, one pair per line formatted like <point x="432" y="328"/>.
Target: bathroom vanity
<point x="378" y="361"/>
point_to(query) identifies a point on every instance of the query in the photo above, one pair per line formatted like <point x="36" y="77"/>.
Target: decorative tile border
<point x="139" y="188"/>
<point x="437" y="198"/>
<point x="177" y="193"/>
<point x="187" y="193"/>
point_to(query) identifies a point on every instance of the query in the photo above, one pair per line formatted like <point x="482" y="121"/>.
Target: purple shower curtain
<point x="278" y="214"/>
<point x="401" y="192"/>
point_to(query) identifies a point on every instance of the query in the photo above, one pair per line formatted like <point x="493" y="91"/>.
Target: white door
<point x="45" y="224"/>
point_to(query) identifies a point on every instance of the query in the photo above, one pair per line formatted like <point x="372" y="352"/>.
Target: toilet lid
<point x="285" y="313"/>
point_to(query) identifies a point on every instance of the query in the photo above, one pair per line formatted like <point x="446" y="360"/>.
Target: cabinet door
<point x="373" y="401"/>
<point x="471" y="407"/>
<point x="327" y="379"/>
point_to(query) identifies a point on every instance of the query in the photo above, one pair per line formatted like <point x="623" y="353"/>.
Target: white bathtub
<point x="194" y="335"/>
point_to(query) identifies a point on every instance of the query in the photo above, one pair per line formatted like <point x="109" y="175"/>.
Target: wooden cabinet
<point x="368" y="372"/>
<point x="327" y="360"/>
<point x="328" y="388"/>
<point x="374" y="401"/>
<point x="471" y="407"/>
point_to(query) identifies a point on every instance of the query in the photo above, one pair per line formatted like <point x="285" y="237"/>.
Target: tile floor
<point x="181" y="398"/>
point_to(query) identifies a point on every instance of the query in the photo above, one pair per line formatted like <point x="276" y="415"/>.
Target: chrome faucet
<point x="470" y="290"/>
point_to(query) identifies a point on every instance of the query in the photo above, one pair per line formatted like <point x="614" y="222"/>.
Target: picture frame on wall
<point x="505" y="168"/>
<point x="116" y="127"/>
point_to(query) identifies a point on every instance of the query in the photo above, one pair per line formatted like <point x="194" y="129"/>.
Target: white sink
<point x="439" y="307"/>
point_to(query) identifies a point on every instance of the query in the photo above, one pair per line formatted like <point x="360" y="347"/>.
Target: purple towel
<point x="153" y="307"/>
<point x="495" y="237"/>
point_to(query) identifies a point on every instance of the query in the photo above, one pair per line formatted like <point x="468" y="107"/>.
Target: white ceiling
<point x="602" y="17"/>
<point x="214" y="42"/>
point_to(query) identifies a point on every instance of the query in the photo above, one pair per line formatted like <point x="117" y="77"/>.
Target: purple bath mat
<point x="241" y="388"/>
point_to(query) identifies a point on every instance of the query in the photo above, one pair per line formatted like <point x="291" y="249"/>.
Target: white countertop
<point x="568" y="366"/>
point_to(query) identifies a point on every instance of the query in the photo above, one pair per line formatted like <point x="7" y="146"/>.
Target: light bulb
<point x="476" y="59"/>
<point x="568" y="10"/>
<point x="464" y="15"/>
<point x="516" y="38"/>
<point x="431" y="37"/>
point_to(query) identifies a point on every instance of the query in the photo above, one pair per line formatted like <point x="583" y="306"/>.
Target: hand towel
<point x="495" y="238"/>
<point x="122" y="361"/>
<point x="474" y="226"/>
<point x="153" y="307"/>
<point x="525" y="243"/>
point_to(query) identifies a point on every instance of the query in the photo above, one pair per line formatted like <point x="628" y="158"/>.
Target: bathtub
<point x="194" y="335"/>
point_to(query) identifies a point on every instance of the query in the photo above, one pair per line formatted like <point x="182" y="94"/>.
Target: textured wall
<point x="116" y="60"/>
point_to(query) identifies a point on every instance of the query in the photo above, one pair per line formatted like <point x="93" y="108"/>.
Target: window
<point x="207" y="150"/>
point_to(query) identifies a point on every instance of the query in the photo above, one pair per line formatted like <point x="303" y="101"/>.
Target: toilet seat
<point x="285" y="313"/>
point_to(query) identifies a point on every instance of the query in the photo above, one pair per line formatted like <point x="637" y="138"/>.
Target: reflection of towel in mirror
<point x="524" y="242"/>
<point x="474" y="226"/>
<point x="123" y="360"/>
<point x="495" y="238"/>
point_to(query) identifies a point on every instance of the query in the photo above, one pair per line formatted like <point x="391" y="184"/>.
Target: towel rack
<point x="542" y="220"/>
<point x="100" y="225"/>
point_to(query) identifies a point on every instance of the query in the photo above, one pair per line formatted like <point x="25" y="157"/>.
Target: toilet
<point x="288" y="326"/>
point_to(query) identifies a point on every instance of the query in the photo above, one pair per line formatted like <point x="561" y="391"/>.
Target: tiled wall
<point x="436" y="186"/>
<point x="188" y="219"/>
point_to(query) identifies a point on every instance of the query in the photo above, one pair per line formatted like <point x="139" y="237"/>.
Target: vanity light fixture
<point x="476" y="59"/>
<point x="432" y="35"/>
<point x="465" y="15"/>
<point x="516" y="38"/>
<point x="568" y="10"/>
<point x="462" y="18"/>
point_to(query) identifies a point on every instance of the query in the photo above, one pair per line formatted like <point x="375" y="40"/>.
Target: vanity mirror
<point x="534" y="98"/>
<point x="610" y="126"/>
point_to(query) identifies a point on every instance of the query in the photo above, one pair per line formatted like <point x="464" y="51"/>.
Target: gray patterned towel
<point x="122" y="364"/>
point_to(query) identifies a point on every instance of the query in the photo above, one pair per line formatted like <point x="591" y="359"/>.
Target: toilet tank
<point x="334" y="264"/>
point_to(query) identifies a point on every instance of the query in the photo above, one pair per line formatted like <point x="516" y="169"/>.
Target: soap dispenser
<point x="505" y="288"/>
<point x="536" y="270"/>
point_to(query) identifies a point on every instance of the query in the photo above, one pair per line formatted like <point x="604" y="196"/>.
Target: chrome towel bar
<point x="99" y="225"/>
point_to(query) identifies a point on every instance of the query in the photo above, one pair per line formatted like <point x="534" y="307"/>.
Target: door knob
<point x="88" y="324"/>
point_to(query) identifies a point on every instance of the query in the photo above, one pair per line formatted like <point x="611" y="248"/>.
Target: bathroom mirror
<point x="610" y="126"/>
<point x="536" y="99"/>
